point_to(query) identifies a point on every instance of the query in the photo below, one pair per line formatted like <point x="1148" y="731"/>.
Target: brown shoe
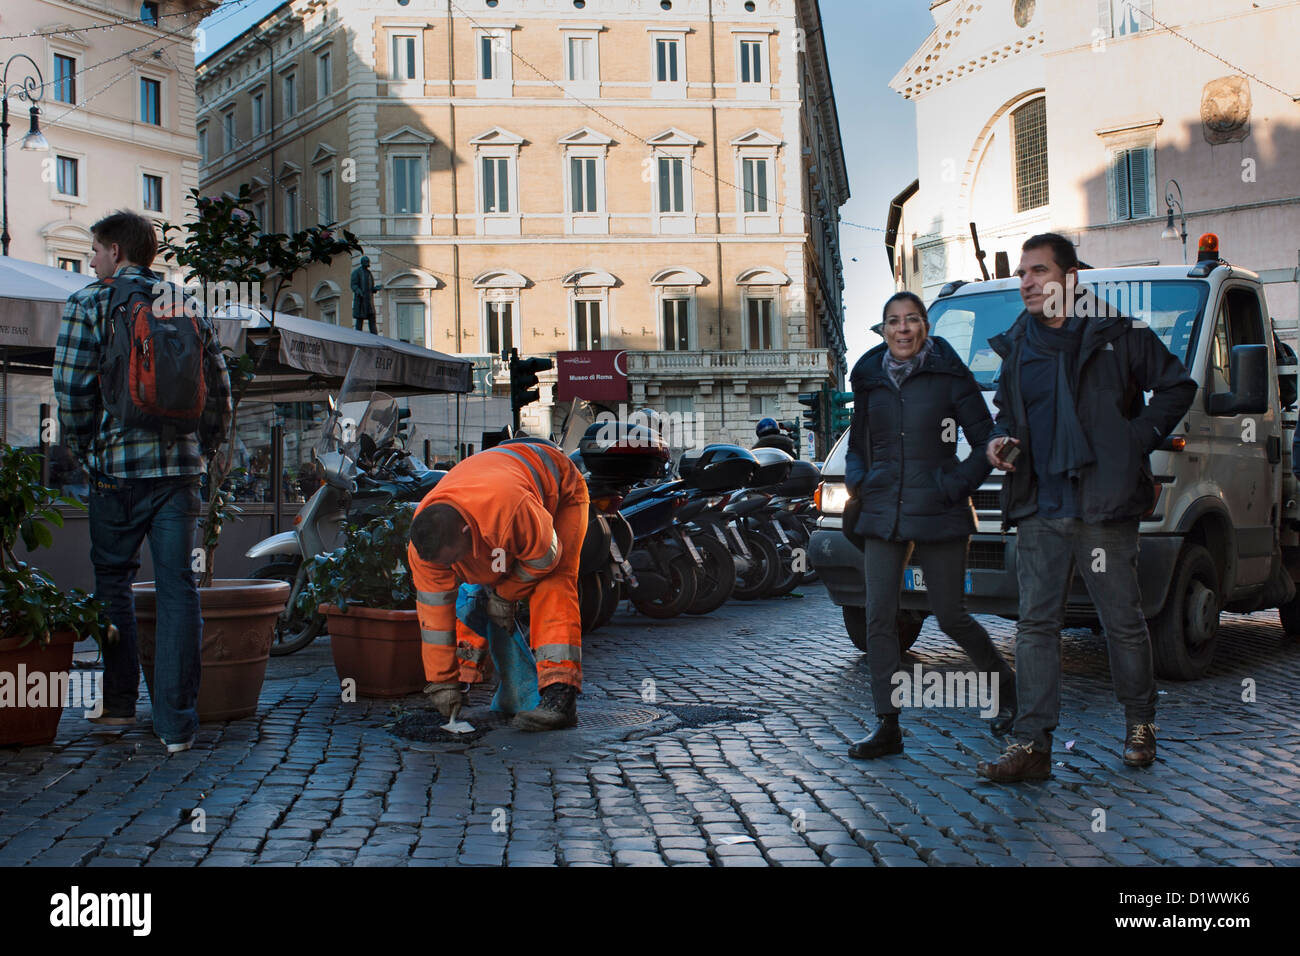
<point x="1140" y="745"/>
<point x="1019" y="762"/>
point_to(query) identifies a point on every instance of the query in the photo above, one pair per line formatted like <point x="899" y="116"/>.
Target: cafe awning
<point x="306" y="358"/>
<point x="31" y="302"/>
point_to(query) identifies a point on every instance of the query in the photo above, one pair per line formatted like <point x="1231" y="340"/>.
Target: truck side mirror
<point x="1250" y="377"/>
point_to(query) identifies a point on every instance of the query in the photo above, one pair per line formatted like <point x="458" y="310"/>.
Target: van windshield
<point x="1171" y="308"/>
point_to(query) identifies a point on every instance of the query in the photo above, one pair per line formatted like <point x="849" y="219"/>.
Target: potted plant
<point x="39" y="621"/>
<point x="365" y="590"/>
<point x="223" y="243"/>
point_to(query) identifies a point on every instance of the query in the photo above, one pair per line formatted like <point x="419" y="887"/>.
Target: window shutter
<point x="1117" y="186"/>
<point x="1144" y="11"/>
<point x="1104" y="19"/>
<point x="1140" y="171"/>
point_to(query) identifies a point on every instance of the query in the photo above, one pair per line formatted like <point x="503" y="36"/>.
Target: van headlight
<point x="835" y="495"/>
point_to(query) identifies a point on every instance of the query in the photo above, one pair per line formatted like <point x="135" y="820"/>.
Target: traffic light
<point x="792" y="427"/>
<point x="812" y="413"/>
<point x="523" y="381"/>
<point x="841" y="416"/>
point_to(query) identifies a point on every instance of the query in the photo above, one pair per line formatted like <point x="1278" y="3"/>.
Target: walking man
<point x="143" y="481"/>
<point x="1074" y="435"/>
<point x="512" y="518"/>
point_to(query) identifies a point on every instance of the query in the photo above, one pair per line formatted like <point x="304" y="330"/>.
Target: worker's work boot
<point x="558" y="709"/>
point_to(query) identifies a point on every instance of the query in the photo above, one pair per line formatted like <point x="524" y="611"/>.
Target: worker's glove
<point x="445" y="697"/>
<point x="500" y="611"/>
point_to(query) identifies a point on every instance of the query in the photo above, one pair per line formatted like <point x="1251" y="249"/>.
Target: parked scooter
<point x="365" y="469"/>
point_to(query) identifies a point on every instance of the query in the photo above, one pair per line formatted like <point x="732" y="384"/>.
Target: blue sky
<point x="867" y="42"/>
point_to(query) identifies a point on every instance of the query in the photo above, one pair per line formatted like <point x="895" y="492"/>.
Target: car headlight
<point x="835" y="495"/>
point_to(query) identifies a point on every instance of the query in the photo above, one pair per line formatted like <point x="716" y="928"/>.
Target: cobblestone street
<point x="711" y="741"/>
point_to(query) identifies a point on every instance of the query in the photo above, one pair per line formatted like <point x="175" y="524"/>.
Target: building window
<point x="410" y="322"/>
<point x="1125" y="17"/>
<point x="151" y="192"/>
<point x="751" y="61"/>
<point x="203" y="144"/>
<point x="149" y="13"/>
<point x="290" y="209"/>
<point x="324" y="75"/>
<point x="676" y="325"/>
<point x="259" y="214"/>
<point x="1131" y="174"/>
<point x="325" y="196"/>
<point x="500" y="326"/>
<point x="494" y="57"/>
<point x="408" y="186"/>
<point x="760" y="323"/>
<point x="666" y="56"/>
<point x="259" y="120"/>
<point x="1029" y="132"/>
<point x="228" y="131"/>
<point x="755" y="173"/>
<point x="65" y="180"/>
<point x="580" y="62"/>
<point x="290" y="94"/>
<point x="586" y="325"/>
<point x="330" y="313"/>
<point x="672" y="184"/>
<point x="583" y="186"/>
<point x="764" y="406"/>
<point x="69" y="265"/>
<point x="65" y="79"/>
<point x="496" y="184"/>
<point x="403" y="63"/>
<point x="151" y="101"/>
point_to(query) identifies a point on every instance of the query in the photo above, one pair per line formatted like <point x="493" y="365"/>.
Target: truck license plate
<point x="914" y="580"/>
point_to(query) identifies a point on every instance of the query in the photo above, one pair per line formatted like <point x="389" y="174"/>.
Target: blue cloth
<point x="516" y="667"/>
<point x="1039" y="380"/>
<point x="122" y="512"/>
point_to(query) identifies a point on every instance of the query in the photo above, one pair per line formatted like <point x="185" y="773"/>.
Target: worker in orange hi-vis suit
<point x="511" y="518"/>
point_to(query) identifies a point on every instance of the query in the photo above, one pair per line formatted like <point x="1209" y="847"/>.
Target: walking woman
<point x="909" y="396"/>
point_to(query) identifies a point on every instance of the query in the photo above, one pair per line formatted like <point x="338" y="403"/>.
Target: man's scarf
<point x="1071" y="450"/>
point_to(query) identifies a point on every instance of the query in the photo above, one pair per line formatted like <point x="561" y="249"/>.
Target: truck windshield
<point x="1171" y="308"/>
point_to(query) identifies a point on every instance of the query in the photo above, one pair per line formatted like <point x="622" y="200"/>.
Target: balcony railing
<point x="802" y="361"/>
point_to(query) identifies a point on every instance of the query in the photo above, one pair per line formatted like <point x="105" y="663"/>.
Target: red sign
<point x="594" y="376"/>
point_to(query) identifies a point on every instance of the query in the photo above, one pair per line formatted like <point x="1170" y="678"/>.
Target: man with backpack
<point x="143" y="397"/>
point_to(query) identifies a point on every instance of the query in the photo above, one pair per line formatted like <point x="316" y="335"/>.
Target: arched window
<point x="1029" y="131"/>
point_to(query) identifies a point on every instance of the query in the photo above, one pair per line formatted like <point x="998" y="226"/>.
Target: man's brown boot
<point x="1140" y="745"/>
<point x="1019" y="762"/>
<point x="558" y="709"/>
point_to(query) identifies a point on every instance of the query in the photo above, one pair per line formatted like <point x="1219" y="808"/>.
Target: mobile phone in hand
<point x="1009" y="455"/>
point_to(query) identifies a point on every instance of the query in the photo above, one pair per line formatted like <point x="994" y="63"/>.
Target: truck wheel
<point x="1290" y="615"/>
<point x="909" y="627"/>
<point x="1184" y="633"/>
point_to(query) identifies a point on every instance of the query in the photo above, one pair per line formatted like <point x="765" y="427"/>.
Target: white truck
<point x="1225" y="530"/>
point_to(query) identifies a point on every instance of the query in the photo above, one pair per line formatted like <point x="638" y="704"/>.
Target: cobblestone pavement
<point x="315" y="781"/>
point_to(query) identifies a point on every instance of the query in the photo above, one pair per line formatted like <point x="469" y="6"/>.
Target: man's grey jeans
<point x="1047" y="552"/>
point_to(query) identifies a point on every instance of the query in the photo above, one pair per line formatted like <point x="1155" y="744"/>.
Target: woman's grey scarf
<point x="1071" y="450"/>
<point x="900" y="369"/>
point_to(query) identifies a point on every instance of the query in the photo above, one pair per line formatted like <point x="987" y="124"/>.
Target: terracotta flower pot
<point x="21" y="725"/>
<point x="238" y="627"/>
<point x="380" y="650"/>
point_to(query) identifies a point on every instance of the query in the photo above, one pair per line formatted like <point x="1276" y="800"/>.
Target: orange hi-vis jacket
<point x="526" y="507"/>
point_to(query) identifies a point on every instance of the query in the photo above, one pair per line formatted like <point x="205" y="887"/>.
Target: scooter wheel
<point x="300" y="630"/>
<point x="681" y="590"/>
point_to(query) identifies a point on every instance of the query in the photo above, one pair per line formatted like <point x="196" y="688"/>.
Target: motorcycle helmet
<point x="767" y="426"/>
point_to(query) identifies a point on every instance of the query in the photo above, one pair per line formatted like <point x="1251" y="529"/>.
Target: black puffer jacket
<point x="902" y="458"/>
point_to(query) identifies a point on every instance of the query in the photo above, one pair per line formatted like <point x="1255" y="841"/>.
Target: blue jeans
<point x="1047" y="553"/>
<point x="122" y="512"/>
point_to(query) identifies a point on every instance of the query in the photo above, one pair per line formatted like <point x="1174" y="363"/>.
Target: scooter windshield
<point x="361" y="420"/>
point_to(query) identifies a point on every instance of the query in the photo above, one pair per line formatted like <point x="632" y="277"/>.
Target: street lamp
<point x="30" y="89"/>
<point x="1171" y="230"/>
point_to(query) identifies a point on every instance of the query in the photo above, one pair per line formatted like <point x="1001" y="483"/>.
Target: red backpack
<point x="153" y="366"/>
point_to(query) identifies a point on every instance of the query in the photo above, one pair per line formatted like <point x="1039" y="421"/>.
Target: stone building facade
<point x="661" y="178"/>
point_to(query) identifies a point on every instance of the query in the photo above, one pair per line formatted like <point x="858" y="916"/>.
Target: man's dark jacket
<point x="777" y="440"/>
<point x="906" y="475"/>
<point x="363" y="292"/>
<point x="1118" y="361"/>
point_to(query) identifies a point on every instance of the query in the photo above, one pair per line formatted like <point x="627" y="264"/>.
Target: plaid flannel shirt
<point x="87" y="429"/>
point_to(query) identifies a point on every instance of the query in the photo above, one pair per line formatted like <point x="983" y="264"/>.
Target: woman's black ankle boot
<point x="886" y="739"/>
